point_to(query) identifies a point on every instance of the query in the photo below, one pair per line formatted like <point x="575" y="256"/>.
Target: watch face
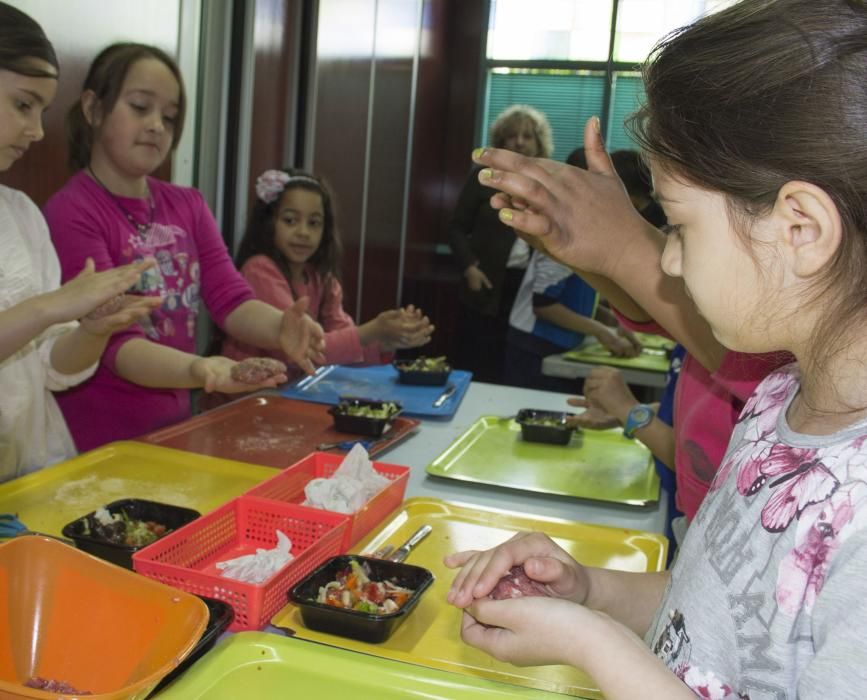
<point x="641" y="414"/>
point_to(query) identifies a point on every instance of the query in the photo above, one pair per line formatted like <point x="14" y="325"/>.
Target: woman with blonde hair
<point x="492" y="259"/>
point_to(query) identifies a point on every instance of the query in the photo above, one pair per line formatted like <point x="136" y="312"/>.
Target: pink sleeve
<point x="80" y="231"/>
<point x="342" y="342"/>
<point x="741" y="373"/>
<point x="647" y="327"/>
<point x="223" y="288"/>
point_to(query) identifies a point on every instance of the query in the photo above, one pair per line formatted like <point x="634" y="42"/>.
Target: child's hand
<point x="128" y="309"/>
<point x="542" y="559"/>
<point x="593" y="418"/>
<point x="301" y="338"/>
<point x="583" y="217"/>
<point x="89" y="289"/>
<point x="476" y="279"/>
<point x="403" y="328"/>
<point x="529" y="631"/>
<point x="615" y="343"/>
<point x="606" y="390"/>
<point x="633" y="340"/>
<point x="215" y="374"/>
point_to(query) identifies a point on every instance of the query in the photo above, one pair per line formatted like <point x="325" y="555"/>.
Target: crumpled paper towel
<point x="352" y="485"/>
<point x="259" y="567"/>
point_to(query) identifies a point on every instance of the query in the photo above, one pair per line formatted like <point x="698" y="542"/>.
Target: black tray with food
<point x="370" y="417"/>
<point x="220" y="616"/>
<point x="545" y="426"/>
<point x="426" y="371"/>
<point x="360" y="597"/>
<point x="121" y="528"/>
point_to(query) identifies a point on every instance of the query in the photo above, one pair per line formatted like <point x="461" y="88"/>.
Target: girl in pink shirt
<point x="291" y="249"/>
<point x="127" y="122"/>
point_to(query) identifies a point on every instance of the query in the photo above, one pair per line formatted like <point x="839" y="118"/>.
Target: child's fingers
<point x="598" y="160"/>
<point x="577" y="401"/>
<point x="456" y="559"/>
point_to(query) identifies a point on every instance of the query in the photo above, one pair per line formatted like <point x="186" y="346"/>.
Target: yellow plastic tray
<point x="270" y="667"/>
<point x="431" y="635"/>
<point x="47" y="500"/>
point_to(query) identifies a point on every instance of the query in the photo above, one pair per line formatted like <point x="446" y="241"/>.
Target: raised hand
<point x="301" y="338"/>
<point x="89" y="289"/>
<point x="543" y="561"/>
<point x="584" y="218"/>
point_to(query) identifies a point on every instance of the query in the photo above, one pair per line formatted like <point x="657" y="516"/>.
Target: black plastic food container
<point x="361" y="425"/>
<point x="407" y="375"/>
<point x="220" y="616"/>
<point x="559" y="434"/>
<point x="172" y="517"/>
<point x="352" y="623"/>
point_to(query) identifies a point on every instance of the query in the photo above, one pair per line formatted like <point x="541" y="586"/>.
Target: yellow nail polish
<point x="486" y="174"/>
<point x="478" y="153"/>
<point x="506" y="215"/>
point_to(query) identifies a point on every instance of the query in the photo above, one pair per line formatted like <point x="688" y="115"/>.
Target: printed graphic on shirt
<point x="763" y="545"/>
<point x="175" y="277"/>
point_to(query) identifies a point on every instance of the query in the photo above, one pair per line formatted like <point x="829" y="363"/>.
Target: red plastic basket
<point x="187" y="558"/>
<point x="288" y="487"/>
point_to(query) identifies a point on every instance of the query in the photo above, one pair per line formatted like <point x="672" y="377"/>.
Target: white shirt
<point x="33" y="433"/>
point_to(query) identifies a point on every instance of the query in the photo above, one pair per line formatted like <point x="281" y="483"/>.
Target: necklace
<point x="141" y="229"/>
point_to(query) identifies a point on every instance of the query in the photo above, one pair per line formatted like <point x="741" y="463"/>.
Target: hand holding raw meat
<point x="543" y="562"/>
<point x="256" y="370"/>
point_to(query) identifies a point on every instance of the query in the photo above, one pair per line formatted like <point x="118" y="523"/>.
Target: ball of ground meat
<point x="517" y="584"/>
<point x="255" y="370"/>
<point x="113" y="305"/>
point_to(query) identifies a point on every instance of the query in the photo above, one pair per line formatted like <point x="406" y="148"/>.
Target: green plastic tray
<point x="266" y="666"/>
<point x="600" y="465"/>
<point x="653" y="356"/>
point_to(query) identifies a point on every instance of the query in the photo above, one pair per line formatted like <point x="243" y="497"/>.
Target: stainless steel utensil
<point x="403" y="551"/>
<point x="441" y="399"/>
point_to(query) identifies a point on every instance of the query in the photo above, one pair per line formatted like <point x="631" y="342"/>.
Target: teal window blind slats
<point x="568" y="99"/>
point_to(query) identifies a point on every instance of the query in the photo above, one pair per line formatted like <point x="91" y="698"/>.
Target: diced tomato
<point x="374" y="592"/>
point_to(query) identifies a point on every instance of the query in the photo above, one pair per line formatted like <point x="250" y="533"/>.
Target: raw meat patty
<point x="516" y="584"/>
<point x="111" y="306"/>
<point x="255" y="370"/>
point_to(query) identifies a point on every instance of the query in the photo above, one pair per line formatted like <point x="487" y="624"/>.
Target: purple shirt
<point x="193" y="264"/>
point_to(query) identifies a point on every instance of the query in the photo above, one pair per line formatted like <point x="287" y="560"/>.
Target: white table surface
<point x="433" y="436"/>
<point x="559" y="366"/>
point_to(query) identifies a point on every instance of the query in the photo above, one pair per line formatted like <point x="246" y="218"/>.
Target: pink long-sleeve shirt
<point x="342" y="342"/>
<point x="193" y="266"/>
<point x="706" y="408"/>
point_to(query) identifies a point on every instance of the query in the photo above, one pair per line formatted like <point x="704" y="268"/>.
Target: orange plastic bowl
<point x="68" y="616"/>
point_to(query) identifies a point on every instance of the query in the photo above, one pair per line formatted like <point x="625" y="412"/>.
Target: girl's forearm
<point x="256" y="323"/>
<point x="156" y="366"/>
<point x="622" y="666"/>
<point x="659" y="439"/>
<point x="631" y="599"/>
<point x="22" y="323"/>
<point x="563" y="316"/>
<point x="642" y="282"/>
<point x="75" y="351"/>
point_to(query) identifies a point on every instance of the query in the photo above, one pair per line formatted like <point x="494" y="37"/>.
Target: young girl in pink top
<point x="291" y="249"/>
<point x="755" y="126"/>
<point x="127" y="122"/>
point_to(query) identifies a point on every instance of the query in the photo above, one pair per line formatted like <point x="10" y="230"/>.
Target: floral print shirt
<point x="768" y="598"/>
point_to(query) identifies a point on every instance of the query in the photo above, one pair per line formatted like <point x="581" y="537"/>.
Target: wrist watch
<point x="640" y="416"/>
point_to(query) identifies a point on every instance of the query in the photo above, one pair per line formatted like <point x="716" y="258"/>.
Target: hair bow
<point x="270" y="185"/>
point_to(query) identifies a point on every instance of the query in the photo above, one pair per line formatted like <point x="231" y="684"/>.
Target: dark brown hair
<point x="259" y="234"/>
<point x="105" y="78"/>
<point x="21" y="40"/>
<point x="761" y="94"/>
